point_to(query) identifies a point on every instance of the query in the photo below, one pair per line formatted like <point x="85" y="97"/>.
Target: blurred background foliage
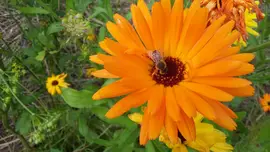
<point x="44" y="37"/>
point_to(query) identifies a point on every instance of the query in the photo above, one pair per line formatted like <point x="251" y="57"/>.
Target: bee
<point x="160" y="64"/>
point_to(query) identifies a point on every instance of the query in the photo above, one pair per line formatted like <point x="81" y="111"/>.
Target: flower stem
<point x="24" y="106"/>
<point x="256" y="48"/>
<point x="6" y="125"/>
<point x="19" y="60"/>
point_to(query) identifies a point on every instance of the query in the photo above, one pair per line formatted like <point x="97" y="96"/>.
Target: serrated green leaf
<point x="23" y="125"/>
<point x="41" y="55"/>
<point x="33" y="10"/>
<point x="77" y="99"/>
<point x="54" y="28"/>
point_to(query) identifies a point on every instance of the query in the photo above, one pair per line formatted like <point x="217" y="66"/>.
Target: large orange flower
<point x="199" y="71"/>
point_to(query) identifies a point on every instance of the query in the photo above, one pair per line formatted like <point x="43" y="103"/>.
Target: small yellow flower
<point x="54" y="83"/>
<point x="265" y="102"/>
<point x="91" y="37"/>
<point x="89" y="72"/>
<point x="207" y="137"/>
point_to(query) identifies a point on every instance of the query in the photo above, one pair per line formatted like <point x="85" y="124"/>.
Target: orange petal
<point x="217" y="43"/>
<point x="120" y="36"/>
<point x="222" y="118"/>
<point x="166" y="5"/>
<point x="142" y="27"/>
<point x="201" y="105"/>
<point x="95" y="59"/>
<point x="144" y="128"/>
<point x="115" y="89"/>
<point x="186" y="127"/>
<point x="244" y="57"/>
<point x="156" y="123"/>
<point x="159" y="24"/>
<point x="226" y="82"/>
<point x="228" y="51"/>
<point x="129" y="31"/>
<point x="171" y="129"/>
<point x="208" y="91"/>
<point x="175" y="26"/>
<point x="218" y="68"/>
<point x="145" y="11"/>
<point x="130" y="101"/>
<point x="103" y="74"/>
<point x="112" y="47"/>
<point x="188" y="19"/>
<point x="195" y="30"/>
<point x="207" y="35"/>
<point x="156" y="99"/>
<point x="184" y="102"/>
<point x="244" y="69"/>
<point x="171" y="105"/>
<point x="240" y="92"/>
<point x="227" y="110"/>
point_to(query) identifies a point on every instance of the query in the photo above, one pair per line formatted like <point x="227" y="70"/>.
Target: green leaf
<point x="123" y="121"/>
<point x="81" y="5"/>
<point x="55" y="150"/>
<point x="23" y="125"/>
<point x="102" y="34"/>
<point x="41" y="55"/>
<point x="69" y="5"/>
<point x="54" y="28"/>
<point x="241" y="115"/>
<point x="77" y="99"/>
<point x="98" y="10"/>
<point x="33" y="10"/>
<point x="236" y="102"/>
<point x="89" y="135"/>
<point x="149" y="147"/>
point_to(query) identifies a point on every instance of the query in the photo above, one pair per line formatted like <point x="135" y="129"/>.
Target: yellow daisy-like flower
<point x="207" y="137"/>
<point x="175" y="64"/>
<point x="265" y="102"/>
<point x="54" y="83"/>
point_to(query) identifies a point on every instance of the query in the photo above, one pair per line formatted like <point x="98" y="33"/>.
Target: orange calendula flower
<point x="54" y="83"/>
<point x="235" y="10"/>
<point x="265" y="102"/>
<point x="175" y="64"/>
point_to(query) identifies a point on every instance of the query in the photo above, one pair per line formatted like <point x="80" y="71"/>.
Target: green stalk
<point x="256" y="48"/>
<point x="19" y="60"/>
<point x="6" y="125"/>
<point x="27" y="109"/>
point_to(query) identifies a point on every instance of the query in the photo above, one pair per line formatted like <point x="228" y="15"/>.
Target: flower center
<point x="268" y="103"/>
<point x="55" y="82"/>
<point x="172" y="75"/>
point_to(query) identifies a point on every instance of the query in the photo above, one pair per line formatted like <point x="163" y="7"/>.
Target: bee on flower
<point x="243" y="12"/>
<point x="55" y="83"/>
<point x="174" y="63"/>
<point x="265" y="102"/>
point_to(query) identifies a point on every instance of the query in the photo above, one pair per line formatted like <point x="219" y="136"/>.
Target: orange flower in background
<point x="176" y="65"/>
<point x="235" y="10"/>
<point x="265" y="102"/>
